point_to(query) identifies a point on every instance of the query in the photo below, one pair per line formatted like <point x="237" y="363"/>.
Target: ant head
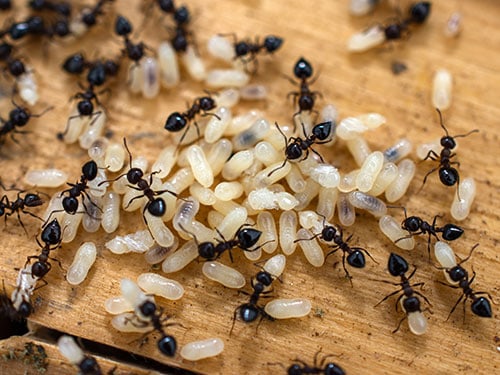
<point x="36" y="25"/>
<point x="97" y="74"/>
<point x="457" y="273"/>
<point x="333" y="369"/>
<point x="89" y="366"/>
<point x="74" y="64"/>
<point x="19" y="116"/>
<point x="448" y="176"/>
<point x="206" y="250"/>
<point x="294" y="369"/>
<point x="25" y="308"/>
<point x="148" y="308"/>
<point x="39" y="269"/>
<point x="207" y="103"/>
<point x="248" y="237"/>
<point x="249" y="312"/>
<point x="241" y="48"/>
<point x="328" y="233"/>
<point x="85" y="107"/>
<point x="32" y="200"/>
<point x="167" y="345"/>
<point x="272" y="43"/>
<point x="5" y="50"/>
<point x="481" y="307"/>
<point x="51" y="234"/>
<point x="134" y="175"/>
<point x="157" y="207"/>
<point x="412" y="223"/>
<point x="452" y="232"/>
<point x="89" y="170"/>
<point x="264" y="278"/>
<point x="356" y="259"/>
<point x="393" y="31"/>
<point x="448" y="142"/>
<point x="411" y="304"/>
<point x="302" y="69"/>
<point x="17" y="68"/>
<point x="181" y="15"/>
<point x="175" y="122"/>
<point x="419" y="12"/>
<point x="89" y="19"/>
<point x="322" y="130"/>
<point x="397" y="265"/>
<point x="70" y="205"/>
<point x="166" y="5"/>
<point x="293" y="151"/>
<point x="61" y="28"/>
<point x="123" y="27"/>
<point x="135" y="51"/>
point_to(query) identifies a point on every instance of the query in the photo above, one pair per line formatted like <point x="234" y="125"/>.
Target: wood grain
<point x="344" y="321"/>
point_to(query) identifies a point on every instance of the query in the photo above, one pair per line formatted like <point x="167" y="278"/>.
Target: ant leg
<point x="431" y="155"/>
<point x="133" y="199"/>
<point x="396" y="305"/>
<point x="387" y="296"/>
<point x="204" y="114"/>
<point x="399" y="324"/>
<point x="331" y="252"/>
<point x="347" y="275"/>
<point x="60" y="135"/>
<point x="184" y="135"/>
<point x="424" y="297"/>
<point x="96" y="115"/>
<point x="317" y="153"/>
<point x="278" y="168"/>
<point x="454" y="307"/>
<point x="234" y="319"/>
<point x="45" y="283"/>
<point x="365" y="251"/>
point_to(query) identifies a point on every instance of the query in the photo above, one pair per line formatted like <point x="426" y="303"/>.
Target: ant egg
<point x="361" y="7"/>
<point x="228" y="98"/>
<point x="84" y="259"/>
<point x="135" y="77"/>
<point x="398" y="187"/>
<point x="233" y="220"/>
<point x="194" y="64"/>
<point x="424" y="148"/>
<point x="350" y="128"/>
<point x="115" y="157"/>
<point x="227" y="191"/>
<point x="200" y="167"/>
<point x="181" y="258"/>
<point x="267" y="154"/>
<point x="453" y="25"/>
<point x="417" y="322"/>
<point x="295" y="180"/>
<point x="347" y="182"/>
<point x="150" y="77"/>
<point x="70" y="350"/>
<point x="169" y="66"/>
<point x="117" y="305"/>
<point x="92" y="216"/>
<point x="70" y="223"/>
<point x="160" y="232"/>
<point x="221" y="48"/>
<point x="327" y="200"/>
<point x="93" y="129"/>
<point x="138" y="242"/>
<point x="218" y="154"/>
<point x="288" y="232"/>
<point x="237" y="164"/>
<point x="359" y="149"/>
<point x="369" y="171"/>
<point x="460" y="208"/>
<point x="441" y="89"/>
<point x="392" y="229"/>
<point x="444" y="255"/>
<point x="346" y="212"/>
<point x="367" y="202"/>
<point x="386" y="176"/>
<point x="27" y="87"/>
<point x="305" y="197"/>
<point x="275" y="265"/>
<point x="325" y="175"/>
<point x="253" y="92"/>
<point x="366" y="39"/>
<point x="181" y="180"/>
<point x="158" y="253"/>
<point x="128" y="322"/>
<point x="227" y="276"/>
<point x="46" y="178"/>
<point x="243" y="122"/>
<point x="165" y="161"/>
<point x="221" y="78"/>
<point x="204" y="195"/>
<point x="252" y="135"/>
<point x="398" y="151"/>
<point x="160" y="286"/>
<point x="269" y="237"/>
<point x="217" y="124"/>
<point x="196" y="350"/>
<point x="110" y="218"/>
<point x="309" y="245"/>
<point x="288" y="308"/>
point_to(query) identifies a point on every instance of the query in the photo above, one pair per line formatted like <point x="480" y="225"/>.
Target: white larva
<point x="27" y="87"/>
<point x="308" y="219"/>
<point x="348" y="181"/>
<point x="441" y="89"/>
<point x="350" y="127"/>
<point x="165" y="161"/>
<point x="152" y="283"/>
<point x="453" y="25"/>
<point x="97" y="151"/>
<point x="84" y="259"/>
<point x="266" y="177"/>
<point x="286" y="201"/>
<point x="169" y="199"/>
<point x="288" y="308"/>
<point x="115" y="157"/>
<point x="46" y="178"/>
<point x="417" y="322"/>
<point x="202" y="171"/>
<point x="228" y="98"/>
<point x="267" y="154"/>
<point x="253" y="92"/>
<point x="305" y="197"/>
<point x="117" y="305"/>
<point x="267" y="225"/>
<point x="327" y="200"/>
<point x="218" y="154"/>
<point x="181" y="180"/>
<point x="359" y="149"/>
<point x="137" y="242"/>
<point x="346" y="211"/>
<point x="444" y="255"/>
<point x="98" y="186"/>
<point x="361" y="7"/>
<point x="398" y="151"/>
<point x="372" y="120"/>
<point x="214" y="218"/>
<point x="158" y="253"/>
<point x="243" y="122"/>
<point x="252" y="135"/>
<point x="75" y="126"/>
<point x="110" y="218"/>
<point x="302" y="118"/>
<point x="367" y="202"/>
<point x="288" y="232"/>
<point x="25" y="286"/>
<point x="392" y="229"/>
<point x="93" y="129"/>
<point x="216" y="126"/>
<point x="129" y="322"/>
<point x="386" y="176"/>
<point x="91" y="220"/>
<point x="398" y="187"/>
<point x="309" y="245"/>
<point x="169" y="66"/>
<point x="262" y="199"/>
<point x="160" y="232"/>
<point x="227" y="276"/>
<point x="204" y="195"/>
<point x="238" y="163"/>
<point x="366" y="39"/>
<point x="70" y="223"/>
<point x="295" y="180"/>
<point x="221" y="48"/>
<point x="369" y="171"/>
<point x="135" y="77"/>
<point x="197" y="350"/>
<point x="194" y="64"/>
<point x="275" y="138"/>
<point x="225" y="207"/>
<point x="135" y="296"/>
<point x="275" y="265"/>
<point x="70" y="350"/>
<point x="222" y="78"/>
<point x="150" y="77"/>
<point x="424" y="148"/>
<point x="233" y="220"/>
<point x="326" y="175"/>
<point x="460" y="208"/>
<point x="227" y="191"/>
<point x="54" y="208"/>
<point x="181" y="258"/>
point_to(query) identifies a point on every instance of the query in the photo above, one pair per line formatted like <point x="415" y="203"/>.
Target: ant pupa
<point x="73" y="353"/>
<point x="296" y="146"/>
<point x="398" y="267"/>
<point x="302" y="368"/>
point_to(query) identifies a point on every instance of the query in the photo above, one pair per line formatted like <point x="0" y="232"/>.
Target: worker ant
<point x="124" y="28"/>
<point x="417" y="14"/>
<point x="398" y="267"/>
<point x="302" y="368"/>
<point x="447" y="174"/>
<point x="296" y="146"/>
<point x="98" y="70"/>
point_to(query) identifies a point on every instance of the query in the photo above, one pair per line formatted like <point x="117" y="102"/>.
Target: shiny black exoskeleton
<point x="98" y="70"/>
<point x="51" y="237"/>
<point x="302" y="368"/>
<point x="417" y="15"/>
<point x="296" y="146"/>
<point x="448" y="175"/>
<point x="18" y="118"/>
<point x="89" y="366"/>
<point x="134" y="51"/>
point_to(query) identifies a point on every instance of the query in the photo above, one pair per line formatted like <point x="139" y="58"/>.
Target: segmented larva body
<point x="460" y="208"/>
<point x="368" y="203"/>
<point x="222" y="78"/>
<point x="169" y="66"/>
<point x="93" y="129"/>
<point x="269" y="237"/>
<point x="312" y="251"/>
<point x="216" y="126"/>
<point x="195" y="65"/>
<point x="152" y="283"/>
<point x="288" y="308"/>
<point x="82" y="262"/>
<point x="46" y="178"/>
<point x="392" y="229"/>
<point x="225" y="275"/>
<point x="138" y="242"/>
<point x="197" y="350"/>
<point x="345" y="211"/>
<point x="397" y="188"/>
<point x="288" y="231"/>
<point x="181" y="258"/>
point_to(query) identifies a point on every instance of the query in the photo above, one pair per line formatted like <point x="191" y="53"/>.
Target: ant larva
<point x="296" y="146"/>
<point x="302" y="368"/>
<point x="398" y="267"/>
<point x="177" y="121"/>
<point x="415" y="225"/>
<point x="480" y="306"/>
<point x="448" y="175"/>
<point x="73" y="353"/>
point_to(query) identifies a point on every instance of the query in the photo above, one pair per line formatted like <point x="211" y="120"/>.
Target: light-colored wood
<point x="344" y="321"/>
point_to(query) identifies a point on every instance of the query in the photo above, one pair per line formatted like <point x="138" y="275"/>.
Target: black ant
<point x="296" y="146"/>
<point x="302" y="368"/>
<point x="62" y="8"/>
<point x="13" y="65"/>
<point x="480" y="306"/>
<point x="416" y="225"/>
<point x="418" y="14"/>
<point x="177" y="121"/>
<point x="98" y="70"/>
<point x="124" y="28"/>
<point x="398" y="267"/>
<point x="89" y="17"/>
<point x="447" y="174"/>
<point x="7" y="308"/>
<point x="19" y="205"/>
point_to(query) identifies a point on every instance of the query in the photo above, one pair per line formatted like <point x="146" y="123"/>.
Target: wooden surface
<point x="343" y="321"/>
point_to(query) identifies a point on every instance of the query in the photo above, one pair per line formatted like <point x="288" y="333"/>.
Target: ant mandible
<point x="295" y="146"/>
